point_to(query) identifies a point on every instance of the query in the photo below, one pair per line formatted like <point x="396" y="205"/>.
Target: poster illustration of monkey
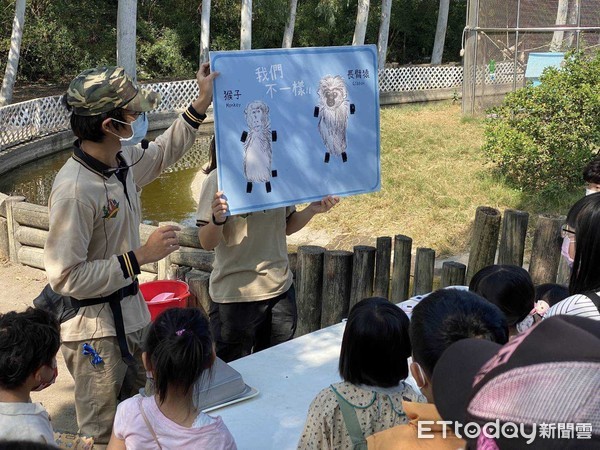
<point x="287" y="130"/>
<point x="258" y="152"/>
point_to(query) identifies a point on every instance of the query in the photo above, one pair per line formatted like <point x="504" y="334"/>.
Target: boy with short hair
<point x="29" y="342"/>
<point x="439" y="320"/>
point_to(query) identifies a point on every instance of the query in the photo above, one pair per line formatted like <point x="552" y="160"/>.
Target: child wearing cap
<point x="539" y="391"/>
<point x="439" y="320"/>
<point x="29" y="342"/>
<point x="93" y="252"/>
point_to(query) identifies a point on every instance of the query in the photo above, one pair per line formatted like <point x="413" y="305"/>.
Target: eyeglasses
<point x="565" y="231"/>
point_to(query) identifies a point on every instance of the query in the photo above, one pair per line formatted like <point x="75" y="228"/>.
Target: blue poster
<point x="294" y="125"/>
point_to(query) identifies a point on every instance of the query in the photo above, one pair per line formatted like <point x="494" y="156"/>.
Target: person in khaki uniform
<point x="253" y="299"/>
<point x="93" y="252"/>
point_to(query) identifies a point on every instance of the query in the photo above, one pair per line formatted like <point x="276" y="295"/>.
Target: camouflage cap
<point x="102" y="89"/>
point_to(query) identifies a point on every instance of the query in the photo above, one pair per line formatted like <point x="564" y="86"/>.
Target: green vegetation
<point x="433" y="178"/>
<point x="63" y="37"/>
<point x="541" y="137"/>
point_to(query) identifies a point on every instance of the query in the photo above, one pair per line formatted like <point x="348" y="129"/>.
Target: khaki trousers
<point x="98" y="389"/>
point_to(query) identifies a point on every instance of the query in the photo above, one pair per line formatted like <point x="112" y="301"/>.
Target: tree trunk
<point x="12" y="63"/>
<point x="362" y="16"/>
<point x="126" y="31"/>
<point x="246" y="33"/>
<point x="561" y="19"/>
<point x="204" y="31"/>
<point x="572" y="20"/>
<point x="384" y="29"/>
<point x="440" y="32"/>
<point x="288" y="35"/>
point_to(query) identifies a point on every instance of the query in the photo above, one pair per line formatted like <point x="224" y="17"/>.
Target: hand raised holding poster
<point x="294" y="125"/>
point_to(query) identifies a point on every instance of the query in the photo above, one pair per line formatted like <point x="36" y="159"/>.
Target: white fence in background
<point x="33" y="119"/>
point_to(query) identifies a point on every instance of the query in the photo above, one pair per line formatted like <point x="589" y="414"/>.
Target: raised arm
<point x="211" y="233"/>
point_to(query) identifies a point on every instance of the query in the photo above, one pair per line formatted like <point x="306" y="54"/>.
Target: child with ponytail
<point x="178" y="351"/>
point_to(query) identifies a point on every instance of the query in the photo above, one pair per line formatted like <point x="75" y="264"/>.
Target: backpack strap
<point x="594" y="298"/>
<point x="148" y="424"/>
<point x="351" y="421"/>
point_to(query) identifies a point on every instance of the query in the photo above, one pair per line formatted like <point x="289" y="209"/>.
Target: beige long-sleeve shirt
<point x="94" y="228"/>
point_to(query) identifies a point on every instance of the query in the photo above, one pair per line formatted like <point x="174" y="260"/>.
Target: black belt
<point x="114" y="301"/>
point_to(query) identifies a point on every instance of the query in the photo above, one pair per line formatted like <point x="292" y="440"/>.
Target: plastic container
<point x="153" y="289"/>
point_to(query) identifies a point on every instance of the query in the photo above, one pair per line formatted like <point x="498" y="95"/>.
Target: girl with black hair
<point x="373" y="365"/>
<point x="178" y="351"/>
<point x="510" y="288"/>
<point x="583" y="228"/>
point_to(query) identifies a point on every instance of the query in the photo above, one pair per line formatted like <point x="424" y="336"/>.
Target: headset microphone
<point x="144" y="144"/>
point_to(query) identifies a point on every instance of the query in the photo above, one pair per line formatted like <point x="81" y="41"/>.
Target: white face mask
<point x="590" y="191"/>
<point x="139" y="128"/>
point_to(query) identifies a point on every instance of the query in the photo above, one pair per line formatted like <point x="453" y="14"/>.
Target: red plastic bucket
<point x="152" y="289"/>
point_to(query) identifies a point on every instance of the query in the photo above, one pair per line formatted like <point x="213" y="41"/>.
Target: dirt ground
<point x="20" y="285"/>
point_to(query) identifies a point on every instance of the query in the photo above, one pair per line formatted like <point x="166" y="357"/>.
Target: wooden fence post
<point x="4" y="239"/>
<point x="545" y="253"/>
<point x="512" y="239"/>
<point x="564" y="272"/>
<point x="337" y="272"/>
<point x="164" y="265"/>
<point x="12" y="224"/>
<point x="484" y="241"/>
<point x="424" y="263"/>
<point x="382" y="267"/>
<point x="453" y="274"/>
<point x="401" y="268"/>
<point x="309" y="280"/>
<point x="363" y="271"/>
<point x="199" y="283"/>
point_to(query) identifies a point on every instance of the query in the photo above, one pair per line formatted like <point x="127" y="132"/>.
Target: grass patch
<point x="434" y="176"/>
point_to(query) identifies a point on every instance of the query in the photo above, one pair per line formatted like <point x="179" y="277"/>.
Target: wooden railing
<point x="328" y="282"/>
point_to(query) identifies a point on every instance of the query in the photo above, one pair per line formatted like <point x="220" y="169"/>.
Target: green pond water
<point x="167" y="198"/>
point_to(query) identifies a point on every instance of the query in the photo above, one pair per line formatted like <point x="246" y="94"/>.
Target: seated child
<point x="373" y="364"/>
<point x="440" y="319"/>
<point x="29" y="341"/>
<point x="591" y="176"/>
<point x="509" y="288"/>
<point x="547" y="375"/>
<point x="547" y="295"/>
<point x="178" y="350"/>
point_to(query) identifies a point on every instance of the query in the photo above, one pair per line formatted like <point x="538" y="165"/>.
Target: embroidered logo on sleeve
<point x="110" y="211"/>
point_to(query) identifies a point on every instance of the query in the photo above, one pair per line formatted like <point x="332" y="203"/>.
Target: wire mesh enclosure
<point x="501" y="34"/>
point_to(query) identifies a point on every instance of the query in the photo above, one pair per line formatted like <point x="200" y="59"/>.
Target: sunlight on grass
<point x="433" y="178"/>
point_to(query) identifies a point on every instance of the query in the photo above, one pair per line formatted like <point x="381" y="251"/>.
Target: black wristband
<point x="218" y="223"/>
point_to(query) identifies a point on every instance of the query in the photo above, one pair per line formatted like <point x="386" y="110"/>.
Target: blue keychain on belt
<point x="88" y="350"/>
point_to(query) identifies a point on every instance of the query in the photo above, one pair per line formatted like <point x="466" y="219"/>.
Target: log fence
<point x="328" y="282"/>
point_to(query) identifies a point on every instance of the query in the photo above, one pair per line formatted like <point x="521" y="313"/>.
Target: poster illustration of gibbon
<point x="332" y="112"/>
<point x="294" y="125"/>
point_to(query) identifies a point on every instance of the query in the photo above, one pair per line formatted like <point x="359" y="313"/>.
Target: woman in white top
<point x="583" y="230"/>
